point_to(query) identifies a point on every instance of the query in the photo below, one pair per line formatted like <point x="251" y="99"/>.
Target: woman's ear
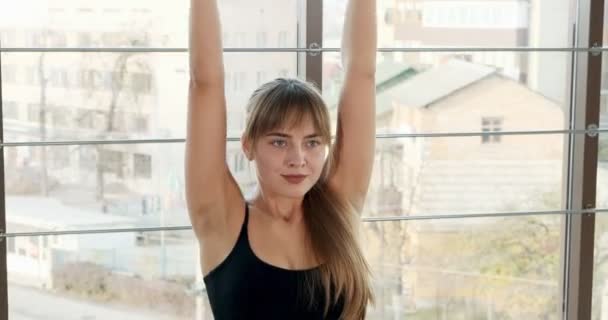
<point x="246" y="145"/>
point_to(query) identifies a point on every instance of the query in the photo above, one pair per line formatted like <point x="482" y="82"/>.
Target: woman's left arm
<point x="353" y="151"/>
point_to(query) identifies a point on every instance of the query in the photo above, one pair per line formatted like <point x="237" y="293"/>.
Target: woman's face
<point x="283" y="152"/>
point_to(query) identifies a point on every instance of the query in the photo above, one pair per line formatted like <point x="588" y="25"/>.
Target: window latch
<point x="595" y="50"/>
<point x="592" y="130"/>
<point x="314" y="49"/>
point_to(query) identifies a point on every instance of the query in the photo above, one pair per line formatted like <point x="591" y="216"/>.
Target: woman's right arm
<point x="206" y="172"/>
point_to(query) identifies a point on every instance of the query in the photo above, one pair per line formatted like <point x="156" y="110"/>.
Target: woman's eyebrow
<point x="284" y="135"/>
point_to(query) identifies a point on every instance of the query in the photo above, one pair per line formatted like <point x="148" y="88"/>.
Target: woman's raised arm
<point x="353" y="151"/>
<point x="206" y="52"/>
<point x="206" y="172"/>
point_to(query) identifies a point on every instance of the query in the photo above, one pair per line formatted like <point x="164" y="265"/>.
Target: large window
<point x="473" y="178"/>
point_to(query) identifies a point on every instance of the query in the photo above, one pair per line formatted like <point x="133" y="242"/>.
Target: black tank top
<point x="245" y="287"/>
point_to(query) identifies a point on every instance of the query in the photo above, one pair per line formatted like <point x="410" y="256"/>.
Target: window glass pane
<point x="493" y="268"/>
<point x="448" y="92"/>
<point x="422" y="269"/>
<point x="38" y="23"/>
<point x="104" y="186"/>
<point x="451" y="175"/>
<point x="459" y="175"/>
<point x="462" y="23"/>
<point x="466" y="92"/>
<point x="418" y="176"/>
<point x="122" y="95"/>
<point x="138" y="23"/>
<point x="93" y="96"/>
<point x="151" y="275"/>
<point x="600" y="267"/>
<point x="95" y="187"/>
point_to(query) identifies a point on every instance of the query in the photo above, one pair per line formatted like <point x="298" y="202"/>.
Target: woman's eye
<point x="314" y="143"/>
<point x="278" y="143"/>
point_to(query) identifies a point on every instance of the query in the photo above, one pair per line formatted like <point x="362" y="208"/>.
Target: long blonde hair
<point x="332" y="222"/>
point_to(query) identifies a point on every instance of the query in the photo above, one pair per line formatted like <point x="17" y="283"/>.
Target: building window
<point x="9" y="73"/>
<point x="111" y="39"/>
<point x="36" y="40"/>
<point x="33" y="112"/>
<point x="58" y="78"/>
<point x="113" y="161"/>
<point x="11" y="245"/>
<point x="240" y="39"/>
<point x="84" y="119"/>
<point x="60" y="117"/>
<point x="10" y="109"/>
<point x="91" y="79"/>
<point x="119" y="122"/>
<point x="32" y="76"/>
<point x="58" y="40"/>
<point x="141" y="82"/>
<point x="84" y="40"/>
<point x="389" y="16"/>
<point x="261" y="76"/>
<point x="282" y="39"/>
<point x="261" y="39"/>
<point x="491" y="124"/>
<point x="283" y="73"/>
<point x="108" y="79"/>
<point x="242" y="164"/>
<point x="239" y="163"/>
<point x="238" y="80"/>
<point x="142" y="164"/>
<point x="138" y="123"/>
<point x="226" y="39"/>
<point x="60" y="158"/>
<point x="87" y="159"/>
<point x="228" y="81"/>
<point x="7" y="38"/>
<point x="112" y="10"/>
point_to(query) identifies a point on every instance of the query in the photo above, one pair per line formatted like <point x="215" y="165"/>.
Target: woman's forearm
<point x="359" y="41"/>
<point x="206" y="52"/>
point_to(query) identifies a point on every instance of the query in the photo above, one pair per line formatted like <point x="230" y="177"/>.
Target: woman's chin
<point x="294" y="193"/>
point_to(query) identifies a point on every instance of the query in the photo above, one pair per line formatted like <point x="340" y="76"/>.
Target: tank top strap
<point x="243" y="234"/>
<point x="246" y="214"/>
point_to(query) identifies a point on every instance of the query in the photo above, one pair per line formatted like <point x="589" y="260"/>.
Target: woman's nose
<point x="296" y="157"/>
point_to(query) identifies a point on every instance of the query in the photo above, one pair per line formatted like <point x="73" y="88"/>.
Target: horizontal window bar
<point x="547" y="283"/>
<point x="93" y="231"/>
<point x="311" y="50"/>
<point x="234" y="139"/>
<point x="482" y="215"/>
<point x="363" y="219"/>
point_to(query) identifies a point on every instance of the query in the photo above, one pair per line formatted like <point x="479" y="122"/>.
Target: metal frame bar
<point x="583" y="159"/>
<point x="363" y="219"/>
<point x="589" y="132"/>
<point x="3" y="244"/>
<point x="314" y="43"/>
<point x="314" y="7"/>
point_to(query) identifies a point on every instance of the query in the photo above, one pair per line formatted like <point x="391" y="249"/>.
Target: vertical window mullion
<point x="310" y="30"/>
<point x="581" y="185"/>
<point x="3" y="254"/>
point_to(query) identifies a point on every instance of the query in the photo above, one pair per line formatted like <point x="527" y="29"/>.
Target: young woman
<point x="292" y="250"/>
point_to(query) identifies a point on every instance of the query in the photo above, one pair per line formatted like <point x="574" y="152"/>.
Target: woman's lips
<point x="294" y="179"/>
